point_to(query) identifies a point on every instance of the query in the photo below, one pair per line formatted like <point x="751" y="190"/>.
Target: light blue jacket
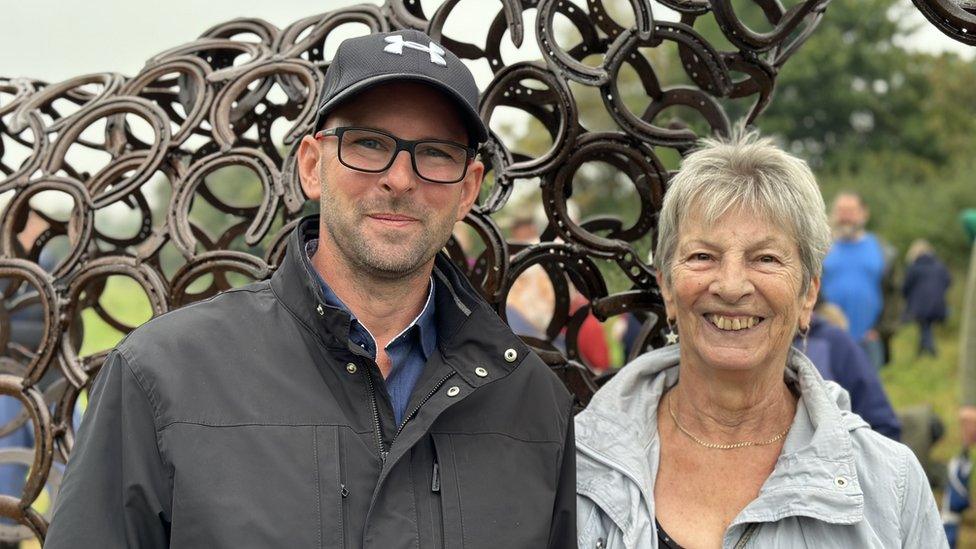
<point x="837" y="483"/>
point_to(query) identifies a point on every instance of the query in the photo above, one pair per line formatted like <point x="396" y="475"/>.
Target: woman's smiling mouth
<point x="732" y="323"/>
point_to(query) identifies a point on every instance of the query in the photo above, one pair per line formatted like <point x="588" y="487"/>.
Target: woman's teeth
<point x="733" y="323"/>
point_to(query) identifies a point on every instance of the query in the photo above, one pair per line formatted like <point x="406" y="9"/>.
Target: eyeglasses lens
<point x="373" y="151"/>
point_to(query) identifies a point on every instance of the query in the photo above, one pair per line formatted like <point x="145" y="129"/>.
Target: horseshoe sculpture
<point x="78" y="154"/>
<point x="955" y="18"/>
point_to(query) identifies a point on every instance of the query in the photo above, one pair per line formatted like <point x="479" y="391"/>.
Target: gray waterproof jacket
<point x="837" y="483"/>
<point x="250" y="420"/>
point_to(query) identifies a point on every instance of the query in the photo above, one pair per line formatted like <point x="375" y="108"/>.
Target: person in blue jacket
<point x="854" y="272"/>
<point x="839" y="358"/>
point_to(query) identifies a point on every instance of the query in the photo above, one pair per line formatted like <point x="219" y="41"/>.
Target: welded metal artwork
<point x="955" y="18"/>
<point x="117" y="199"/>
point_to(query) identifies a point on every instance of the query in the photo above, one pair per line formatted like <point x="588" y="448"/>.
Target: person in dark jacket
<point x="926" y="282"/>
<point x="840" y="359"/>
<point x="365" y="396"/>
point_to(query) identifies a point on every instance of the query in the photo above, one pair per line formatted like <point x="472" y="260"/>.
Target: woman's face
<point x="736" y="292"/>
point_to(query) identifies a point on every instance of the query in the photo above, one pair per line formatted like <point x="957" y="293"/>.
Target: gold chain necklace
<point x="721" y="446"/>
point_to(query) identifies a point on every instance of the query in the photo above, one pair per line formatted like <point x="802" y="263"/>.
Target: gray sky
<point x="56" y="39"/>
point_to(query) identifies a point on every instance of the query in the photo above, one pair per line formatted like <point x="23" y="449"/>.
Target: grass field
<point x="934" y="381"/>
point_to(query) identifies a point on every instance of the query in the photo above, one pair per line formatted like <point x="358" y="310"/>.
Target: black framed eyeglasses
<point x="374" y="151"/>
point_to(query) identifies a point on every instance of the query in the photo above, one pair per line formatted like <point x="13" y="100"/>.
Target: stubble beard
<point x="848" y="231"/>
<point x="383" y="257"/>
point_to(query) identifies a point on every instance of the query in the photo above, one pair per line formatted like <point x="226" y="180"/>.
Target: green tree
<point x="852" y="91"/>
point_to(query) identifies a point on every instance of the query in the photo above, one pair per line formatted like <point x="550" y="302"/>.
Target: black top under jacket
<point x="250" y="420"/>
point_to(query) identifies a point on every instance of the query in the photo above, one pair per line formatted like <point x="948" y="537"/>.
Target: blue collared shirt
<point x="408" y="351"/>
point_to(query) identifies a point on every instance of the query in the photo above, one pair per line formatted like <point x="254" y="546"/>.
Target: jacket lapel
<point x="815" y="475"/>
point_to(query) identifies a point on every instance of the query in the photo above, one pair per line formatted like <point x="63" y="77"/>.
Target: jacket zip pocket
<point x="343" y="491"/>
<point x="448" y="523"/>
<point x="343" y="494"/>
<point x="331" y="505"/>
<point x="435" y="478"/>
<point x="436" y="505"/>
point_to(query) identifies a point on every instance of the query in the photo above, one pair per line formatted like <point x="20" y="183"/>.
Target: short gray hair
<point x="747" y="171"/>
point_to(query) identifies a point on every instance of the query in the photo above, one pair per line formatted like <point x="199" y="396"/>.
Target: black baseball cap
<point x="402" y="55"/>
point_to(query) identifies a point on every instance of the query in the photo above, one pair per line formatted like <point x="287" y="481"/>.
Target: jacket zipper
<point x="343" y="491"/>
<point x="435" y="478"/>
<point x="417" y="408"/>
<point x="747" y="535"/>
<point x="407" y="418"/>
<point x="376" y="417"/>
<point x="437" y="509"/>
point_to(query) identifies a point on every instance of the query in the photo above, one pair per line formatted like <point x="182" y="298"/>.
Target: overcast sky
<point x="56" y="39"/>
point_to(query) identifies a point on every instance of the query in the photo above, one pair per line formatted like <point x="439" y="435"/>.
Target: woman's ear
<point x="809" y="301"/>
<point x="665" y="293"/>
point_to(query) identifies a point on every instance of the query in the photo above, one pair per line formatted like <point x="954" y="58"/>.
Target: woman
<point x="729" y="439"/>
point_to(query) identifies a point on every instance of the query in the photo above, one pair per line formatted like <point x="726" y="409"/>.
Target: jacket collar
<point x="295" y="284"/>
<point x="469" y="333"/>
<point x="815" y="475"/>
<point x="424" y="321"/>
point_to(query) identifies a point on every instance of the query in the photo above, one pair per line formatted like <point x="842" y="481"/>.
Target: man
<point x="365" y="396"/>
<point x="853" y="272"/>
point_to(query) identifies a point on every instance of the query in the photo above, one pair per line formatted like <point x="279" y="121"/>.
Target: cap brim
<point x="472" y="120"/>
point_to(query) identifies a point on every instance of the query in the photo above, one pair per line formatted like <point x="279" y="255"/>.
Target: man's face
<point x="848" y="217"/>
<point x="390" y="224"/>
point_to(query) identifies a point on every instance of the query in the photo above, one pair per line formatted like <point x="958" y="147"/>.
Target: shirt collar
<point x="424" y="321"/>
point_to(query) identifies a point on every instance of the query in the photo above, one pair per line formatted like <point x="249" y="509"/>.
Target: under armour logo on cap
<point x="362" y="62"/>
<point x="396" y="43"/>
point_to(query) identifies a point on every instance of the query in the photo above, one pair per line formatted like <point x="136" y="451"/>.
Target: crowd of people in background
<point x="866" y="296"/>
<point x="861" y="298"/>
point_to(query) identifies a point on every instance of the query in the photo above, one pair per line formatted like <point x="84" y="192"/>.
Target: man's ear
<point x="470" y="188"/>
<point x="309" y="167"/>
